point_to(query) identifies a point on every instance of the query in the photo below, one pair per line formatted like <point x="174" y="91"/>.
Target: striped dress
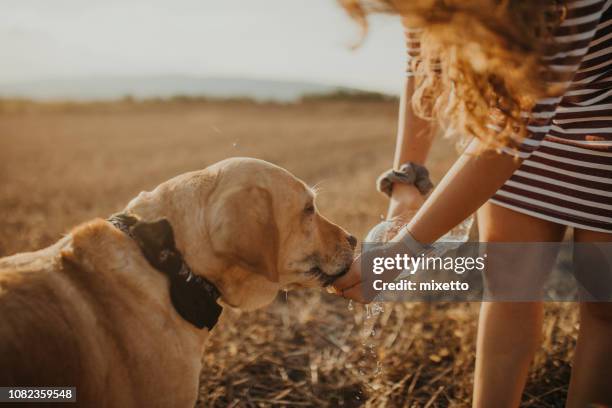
<point x="566" y="173"/>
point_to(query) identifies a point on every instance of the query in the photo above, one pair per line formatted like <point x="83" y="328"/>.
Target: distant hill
<point x="105" y="88"/>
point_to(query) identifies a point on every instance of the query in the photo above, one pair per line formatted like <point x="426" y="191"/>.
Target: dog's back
<point x="80" y="313"/>
<point x="37" y="342"/>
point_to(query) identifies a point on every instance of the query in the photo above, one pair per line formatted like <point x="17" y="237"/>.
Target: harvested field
<point x="62" y="164"/>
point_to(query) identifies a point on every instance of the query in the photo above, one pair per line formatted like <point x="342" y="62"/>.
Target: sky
<point x="272" y="39"/>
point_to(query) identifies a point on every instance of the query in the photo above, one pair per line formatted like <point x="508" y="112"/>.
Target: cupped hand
<point x="404" y="203"/>
<point x="349" y="286"/>
<point x="353" y="286"/>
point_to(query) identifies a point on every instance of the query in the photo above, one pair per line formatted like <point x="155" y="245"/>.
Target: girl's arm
<point x="414" y="135"/>
<point x="472" y="180"/>
<point x="414" y="139"/>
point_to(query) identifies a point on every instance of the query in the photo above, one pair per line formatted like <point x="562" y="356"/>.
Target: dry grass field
<point x="64" y="164"/>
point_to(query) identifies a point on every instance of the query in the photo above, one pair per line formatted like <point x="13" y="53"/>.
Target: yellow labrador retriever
<point x="120" y="308"/>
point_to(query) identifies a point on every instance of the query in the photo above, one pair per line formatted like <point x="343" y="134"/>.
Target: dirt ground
<point x="63" y="164"/>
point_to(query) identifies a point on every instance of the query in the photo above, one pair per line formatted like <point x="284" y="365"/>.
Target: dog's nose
<point x="352" y="241"/>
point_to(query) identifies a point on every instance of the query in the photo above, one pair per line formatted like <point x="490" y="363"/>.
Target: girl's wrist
<point x="406" y="193"/>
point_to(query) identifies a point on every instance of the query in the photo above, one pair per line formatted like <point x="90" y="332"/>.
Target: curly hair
<point x="480" y="61"/>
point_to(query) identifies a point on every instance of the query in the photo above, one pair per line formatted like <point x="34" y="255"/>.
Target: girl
<point x="531" y="83"/>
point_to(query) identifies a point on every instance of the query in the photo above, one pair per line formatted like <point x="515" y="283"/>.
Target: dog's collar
<point x="194" y="297"/>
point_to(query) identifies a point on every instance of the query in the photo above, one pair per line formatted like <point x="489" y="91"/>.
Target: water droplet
<point x="377" y="308"/>
<point x="369" y="351"/>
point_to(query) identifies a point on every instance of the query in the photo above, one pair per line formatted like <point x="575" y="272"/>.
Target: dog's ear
<point x="243" y="229"/>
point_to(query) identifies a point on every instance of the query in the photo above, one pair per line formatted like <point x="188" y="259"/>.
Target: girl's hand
<point x="404" y="203"/>
<point x="349" y="286"/>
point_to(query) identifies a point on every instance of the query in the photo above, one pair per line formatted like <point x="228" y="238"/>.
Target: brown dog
<point x="97" y="312"/>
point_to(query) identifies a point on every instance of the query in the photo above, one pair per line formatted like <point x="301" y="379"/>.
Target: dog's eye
<point x="309" y="209"/>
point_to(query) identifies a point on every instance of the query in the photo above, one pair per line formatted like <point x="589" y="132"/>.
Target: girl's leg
<point x="509" y="332"/>
<point x="591" y="381"/>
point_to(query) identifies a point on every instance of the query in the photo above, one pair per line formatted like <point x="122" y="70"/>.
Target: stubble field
<point x="62" y="164"/>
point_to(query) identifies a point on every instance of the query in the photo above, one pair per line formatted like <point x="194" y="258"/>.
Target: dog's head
<point x="264" y="223"/>
<point x="250" y="227"/>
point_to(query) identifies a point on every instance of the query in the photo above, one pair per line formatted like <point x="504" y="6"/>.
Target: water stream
<point x="451" y="241"/>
